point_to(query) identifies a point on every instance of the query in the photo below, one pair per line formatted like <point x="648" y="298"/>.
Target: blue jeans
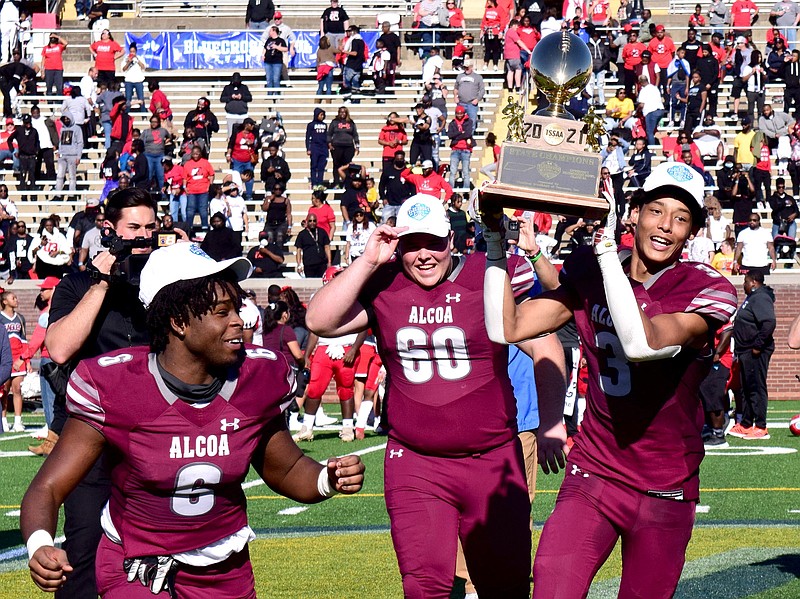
<point x="352" y="79"/>
<point x="258" y="26"/>
<point x="139" y="88"/>
<point x="156" y="169"/>
<point x="792" y="232"/>
<point x="325" y="86"/>
<point x="471" y="110"/>
<point x="197" y="203"/>
<point x="651" y="121"/>
<point x="461" y="157"/>
<point x="177" y="207"/>
<point x="48" y="395"/>
<point x="241" y="167"/>
<point x="5" y="155"/>
<point x="790" y="33"/>
<point x="319" y="164"/>
<point x="273" y="72"/>
<point x="106" y="133"/>
<point x="82" y="7"/>
<point x="428" y="40"/>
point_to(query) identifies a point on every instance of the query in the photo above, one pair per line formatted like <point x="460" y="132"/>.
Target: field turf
<point x="745" y="545"/>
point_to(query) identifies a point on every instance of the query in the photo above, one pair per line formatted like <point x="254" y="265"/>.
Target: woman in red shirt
<point x="159" y="105"/>
<point x="529" y="36"/>
<point x="105" y="53"/>
<point x="392" y="138"/>
<point x="199" y="177"/>
<point x="53" y="65"/>
<point x="326" y="219"/>
<point x="492" y="26"/>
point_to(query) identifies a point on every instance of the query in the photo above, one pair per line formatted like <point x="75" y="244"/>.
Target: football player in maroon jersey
<point x="453" y="464"/>
<point x="647" y="323"/>
<point x="183" y="423"/>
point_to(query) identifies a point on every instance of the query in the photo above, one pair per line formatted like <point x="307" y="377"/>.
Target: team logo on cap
<point x="419" y="211"/>
<point x="680" y="173"/>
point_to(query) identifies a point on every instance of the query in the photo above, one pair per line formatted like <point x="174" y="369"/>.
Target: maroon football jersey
<point x="450" y="394"/>
<point x="177" y="470"/>
<point x="643" y="419"/>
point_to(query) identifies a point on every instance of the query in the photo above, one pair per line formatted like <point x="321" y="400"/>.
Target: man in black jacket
<point x="392" y="188"/>
<point x="203" y="121"/>
<point x="236" y="96"/>
<point x="11" y="75"/>
<point x="259" y="13"/>
<point x="708" y="67"/>
<point x="753" y="346"/>
<point x="27" y="139"/>
<point x="791" y="94"/>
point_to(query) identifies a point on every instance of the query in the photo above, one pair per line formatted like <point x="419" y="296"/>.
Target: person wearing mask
<point x="199" y="175"/>
<point x="343" y="141"/>
<point x="53" y="65"/>
<point x="203" y="121"/>
<point x="242" y="153"/>
<point x="235" y="96"/>
<point x="393" y="189"/>
<point x="155" y="140"/>
<point x="133" y="68"/>
<point x="70" y="150"/>
<point x="754" y="344"/>
<point x="313" y="250"/>
<point x="460" y="132"/>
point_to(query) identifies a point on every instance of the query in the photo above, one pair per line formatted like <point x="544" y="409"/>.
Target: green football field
<point x="745" y="545"/>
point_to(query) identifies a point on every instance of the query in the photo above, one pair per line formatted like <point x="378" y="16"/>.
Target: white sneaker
<point x="294" y="422"/>
<point x="495" y="68"/>
<point x="6" y="428"/>
<point x="18" y="428"/>
<point x="305" y="434"/>
<point x="40" y="433"/>
<point x="347" y="434"/>
<point x="323" y="419"/>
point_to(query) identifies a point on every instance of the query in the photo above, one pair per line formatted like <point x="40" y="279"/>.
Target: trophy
<point x="544" y="165"/>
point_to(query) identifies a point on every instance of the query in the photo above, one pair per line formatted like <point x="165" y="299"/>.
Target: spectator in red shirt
<point x="662" y="49"/>
<point x="512" y="53"/>
<point x="242" y="153"/>
<point x="53" y="65"/>
<point x="392" y="138"/>
<point x="159" y="105"/>
<point x="742" y="14"/>
<point x="529" y="36"/>
<point x="696" y="19"/>
<point x="631" y="56"/>
<point x="105" y="53"/>
<point x="199" y="177"/>
<point x="326" y="219"/>
<point x="492" y="26"/>
<point x="429" y="182"/>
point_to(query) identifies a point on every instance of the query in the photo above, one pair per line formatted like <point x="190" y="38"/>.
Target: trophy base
<point x="523" y="198"/>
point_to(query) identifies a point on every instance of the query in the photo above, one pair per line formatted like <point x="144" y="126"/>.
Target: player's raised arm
<point x="507" y="322"/>
<point x="335" y="309"/>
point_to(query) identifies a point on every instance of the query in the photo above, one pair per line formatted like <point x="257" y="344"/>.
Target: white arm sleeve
<point x="494" y="284"/>
<point x="622" y="305"/>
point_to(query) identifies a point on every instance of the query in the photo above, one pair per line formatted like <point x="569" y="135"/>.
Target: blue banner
<point x="235" y="50"/>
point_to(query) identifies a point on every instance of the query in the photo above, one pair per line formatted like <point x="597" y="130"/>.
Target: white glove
<point x="603" y="241"/>
<point x="155" y="572"/>
<point x="336" y="352"/>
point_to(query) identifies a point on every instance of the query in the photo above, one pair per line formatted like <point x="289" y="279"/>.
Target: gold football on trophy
<point x="561" y="65"/>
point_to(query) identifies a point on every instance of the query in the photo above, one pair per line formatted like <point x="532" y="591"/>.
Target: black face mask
<point x="399" y="163"/>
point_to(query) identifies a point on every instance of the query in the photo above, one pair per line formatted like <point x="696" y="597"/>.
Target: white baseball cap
<point x="423" y="213"/>
<point x="427" y="164"/>
<point x="183" y="262"/>
<point x="680" y="177"/>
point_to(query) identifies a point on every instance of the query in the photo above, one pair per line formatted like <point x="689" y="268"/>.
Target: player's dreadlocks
<point x="184" y="299"/>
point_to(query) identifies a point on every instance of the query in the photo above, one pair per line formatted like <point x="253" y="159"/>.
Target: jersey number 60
<point x="446" y="350"/>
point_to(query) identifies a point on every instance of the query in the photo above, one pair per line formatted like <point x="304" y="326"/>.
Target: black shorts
<point x="713" y="390"/>
<point x="737" y="87"/>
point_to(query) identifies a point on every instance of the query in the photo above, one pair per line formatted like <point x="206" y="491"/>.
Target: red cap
<point x="49" y="283"/>
<point x="278" y="15"/>
<point x="660" y="28"/>
<point x="460" y="110"/>
<point x="627" y="27"/>
<point x="9" y="121"/>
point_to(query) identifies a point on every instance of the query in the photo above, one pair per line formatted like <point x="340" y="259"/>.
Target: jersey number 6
<point x="446" y="350"/>
<point x="194" y="495"/>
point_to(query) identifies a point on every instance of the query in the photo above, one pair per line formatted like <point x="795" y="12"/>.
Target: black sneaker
<point x="716" y="441"/>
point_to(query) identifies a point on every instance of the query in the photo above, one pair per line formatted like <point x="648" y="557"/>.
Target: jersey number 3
<point x="615" y="372"/>
<point x="445" y="352"/>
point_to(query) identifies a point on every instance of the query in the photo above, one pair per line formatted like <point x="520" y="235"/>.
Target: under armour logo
<point x="395" y="453"/>
<point x="576" y="471"/>
<point x="456" y="298"/>
<point x="224" y="424"/>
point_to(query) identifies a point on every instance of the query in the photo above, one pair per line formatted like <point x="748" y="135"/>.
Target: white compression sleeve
<point x="623" y="306"/>
<point x="494" y="284"/>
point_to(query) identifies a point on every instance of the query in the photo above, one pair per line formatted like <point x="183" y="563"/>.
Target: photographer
<point x="90" y="316"/>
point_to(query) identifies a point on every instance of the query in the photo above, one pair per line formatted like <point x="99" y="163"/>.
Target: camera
<point x="512" y="230"/>
<point x="129" y="265"/>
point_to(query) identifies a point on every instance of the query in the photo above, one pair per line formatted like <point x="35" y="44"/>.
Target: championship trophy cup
<point x="545" y="166"/>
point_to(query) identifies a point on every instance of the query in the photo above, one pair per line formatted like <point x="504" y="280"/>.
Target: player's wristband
<point x="495" y="246"/>
<point x="38" y="539"/>
<point x="324" y="484"/>
<point x="533" y="259"/>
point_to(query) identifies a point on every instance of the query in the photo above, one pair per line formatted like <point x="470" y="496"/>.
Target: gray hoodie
<point x="70" y="143"/>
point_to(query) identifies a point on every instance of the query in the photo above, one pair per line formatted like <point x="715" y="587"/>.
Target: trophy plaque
<point x="544" y="165"/>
